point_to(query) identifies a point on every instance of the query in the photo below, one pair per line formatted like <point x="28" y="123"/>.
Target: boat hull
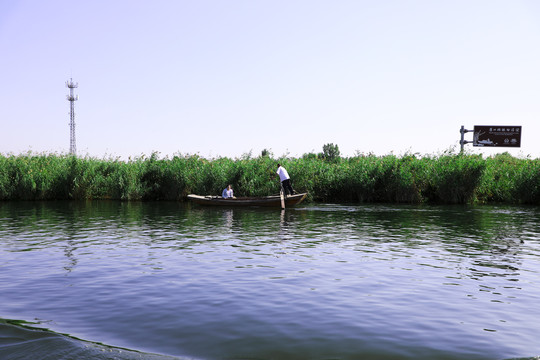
<point x="267" y="201"/>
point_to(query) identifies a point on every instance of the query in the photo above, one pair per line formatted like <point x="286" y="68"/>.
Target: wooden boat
<point x="271" y="201"/>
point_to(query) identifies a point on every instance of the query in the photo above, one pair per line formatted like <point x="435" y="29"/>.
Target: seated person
<point x="227" y="192"/>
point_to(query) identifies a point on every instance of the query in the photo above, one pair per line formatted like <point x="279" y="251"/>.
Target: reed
<point x="444" y="178"/>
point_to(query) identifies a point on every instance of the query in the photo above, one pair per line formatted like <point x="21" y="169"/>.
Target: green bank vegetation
<point x="446" y="178"/>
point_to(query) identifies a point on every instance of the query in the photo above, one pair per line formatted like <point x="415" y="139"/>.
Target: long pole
<point x="282" y="198"/>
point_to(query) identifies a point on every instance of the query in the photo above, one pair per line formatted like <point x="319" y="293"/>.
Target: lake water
<point x="102" y="280"/>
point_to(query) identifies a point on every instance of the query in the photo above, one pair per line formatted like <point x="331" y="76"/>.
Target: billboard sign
<point x="497" y="135"/>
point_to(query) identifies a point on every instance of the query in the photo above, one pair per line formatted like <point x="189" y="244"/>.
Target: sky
<point x="231" y="78"/>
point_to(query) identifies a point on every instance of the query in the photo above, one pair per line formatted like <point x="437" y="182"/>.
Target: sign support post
<point x="462" y="142"/>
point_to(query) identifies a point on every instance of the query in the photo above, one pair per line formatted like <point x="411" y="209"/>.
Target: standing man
<point x="285" y="180"/>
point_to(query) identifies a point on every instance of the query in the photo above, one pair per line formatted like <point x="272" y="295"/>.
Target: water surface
<point x="150" y="280"/>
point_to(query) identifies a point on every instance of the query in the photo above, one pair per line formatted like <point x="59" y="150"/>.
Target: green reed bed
<point x="446" y="178"/>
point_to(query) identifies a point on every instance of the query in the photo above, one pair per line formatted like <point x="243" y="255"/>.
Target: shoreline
<point x="442" y="179"/>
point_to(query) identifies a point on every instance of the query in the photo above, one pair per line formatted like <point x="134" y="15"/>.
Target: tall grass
<point x="445" y="178"/>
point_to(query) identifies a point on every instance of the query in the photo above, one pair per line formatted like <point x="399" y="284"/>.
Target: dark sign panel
<point x="500" y="136"/>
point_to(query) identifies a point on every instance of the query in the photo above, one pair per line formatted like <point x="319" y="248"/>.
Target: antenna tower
<point x="72" y="98"/>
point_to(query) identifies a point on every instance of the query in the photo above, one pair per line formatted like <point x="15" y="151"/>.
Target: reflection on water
<point x="318" y="281"/>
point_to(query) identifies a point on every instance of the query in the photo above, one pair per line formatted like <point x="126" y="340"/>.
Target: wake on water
<point x="21" y="342"/>
<point x="18" y="342"/>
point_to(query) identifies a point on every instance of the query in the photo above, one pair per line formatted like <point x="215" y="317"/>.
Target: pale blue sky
<point x="223" y="78"/>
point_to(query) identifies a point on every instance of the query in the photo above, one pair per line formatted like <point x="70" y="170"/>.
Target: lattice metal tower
<point x="72" y="98"/>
